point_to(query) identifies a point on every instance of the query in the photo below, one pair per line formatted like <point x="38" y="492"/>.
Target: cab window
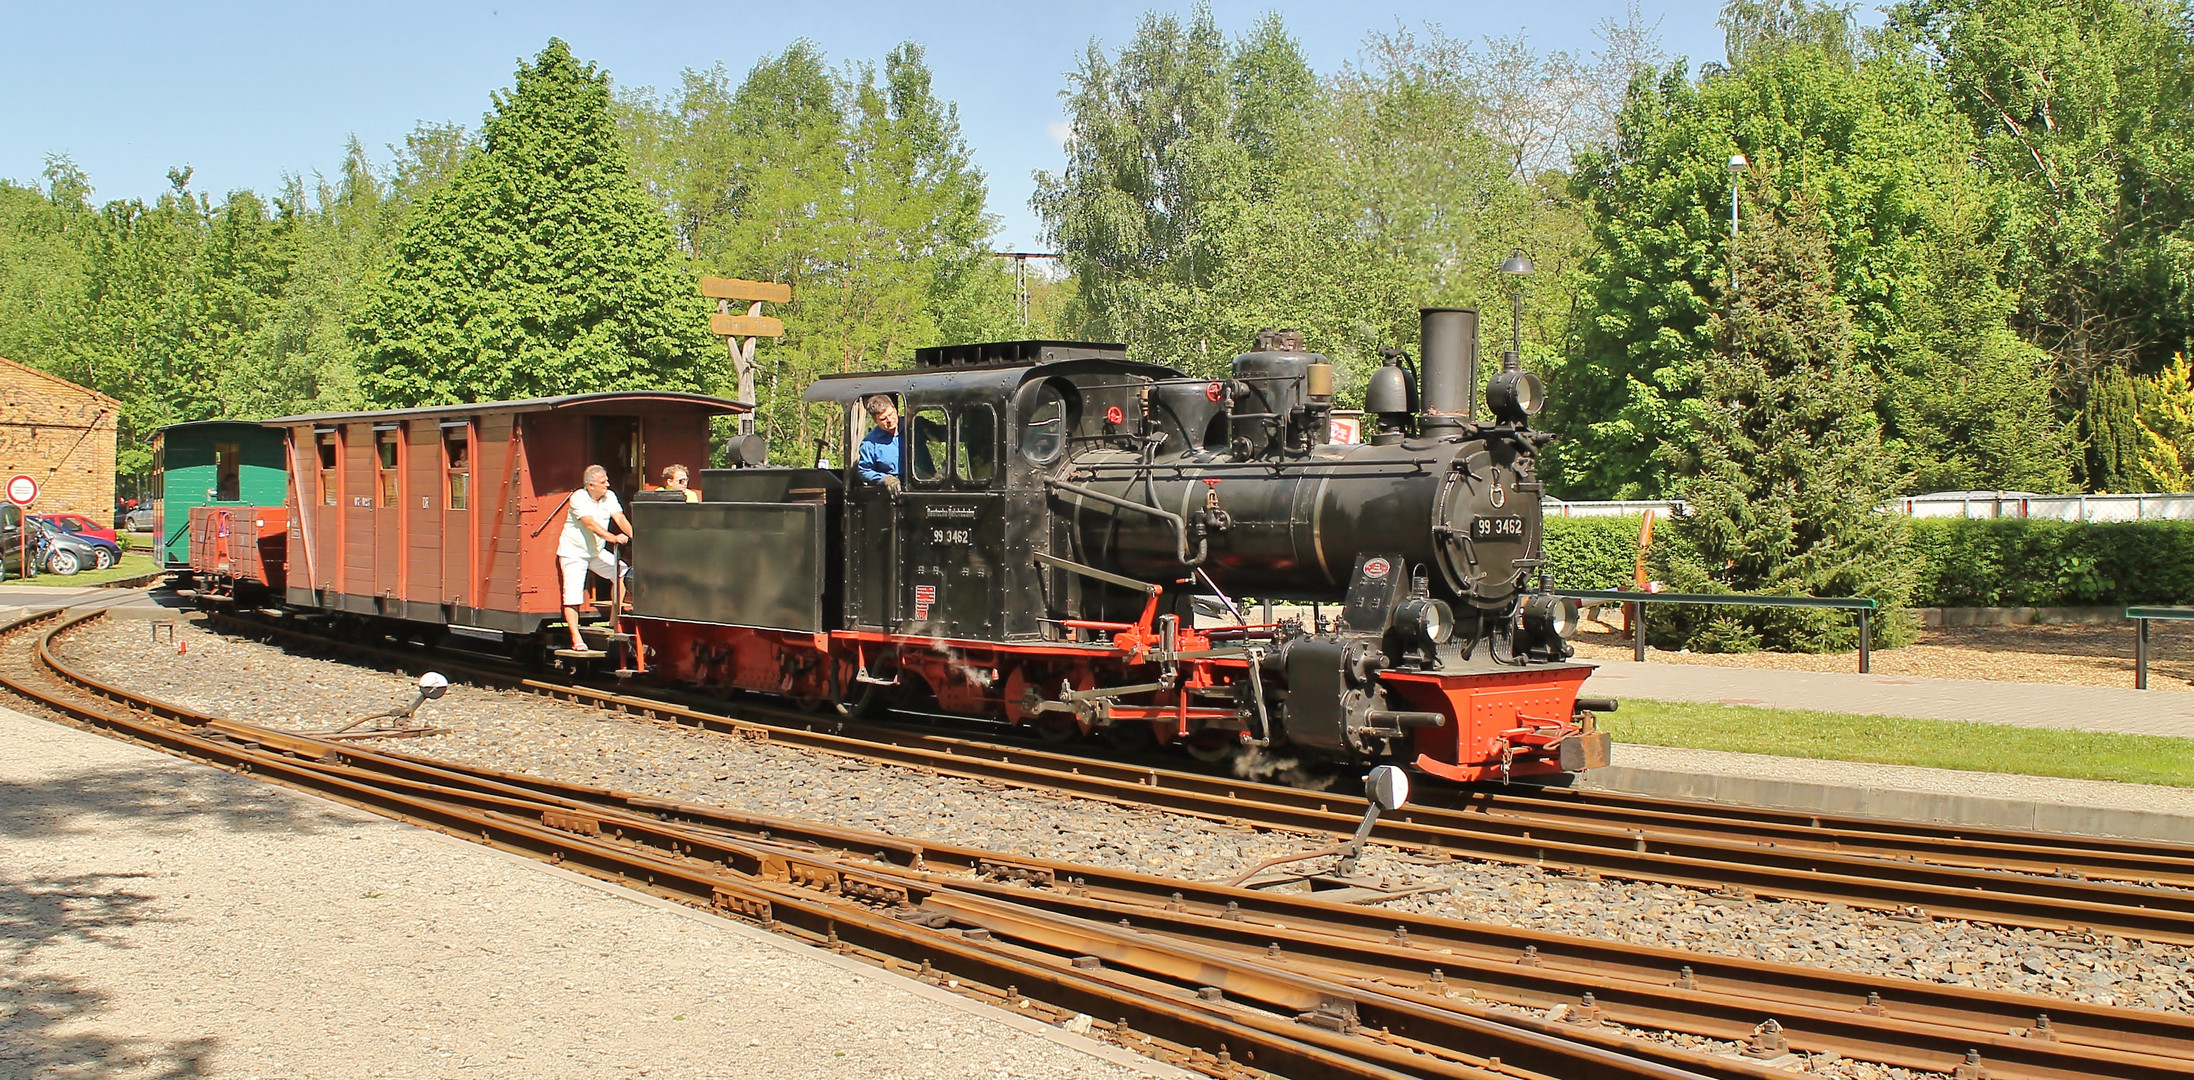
<point x="1044" y="433"/>
<point x="228" y="466"/>
<point x="928" y="441"/>
<point x="975" y="443"/>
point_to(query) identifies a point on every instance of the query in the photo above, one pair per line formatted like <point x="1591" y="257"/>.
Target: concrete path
<point x="161" y="919"/>
<point x="2037" y="705"/>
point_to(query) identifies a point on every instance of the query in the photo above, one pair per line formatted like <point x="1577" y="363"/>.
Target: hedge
<point x="2002" y="562"/>
<point x="2022" y="562"/>
<point x="1593" y="552"/>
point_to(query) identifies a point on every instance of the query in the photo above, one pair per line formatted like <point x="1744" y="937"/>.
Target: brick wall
<point x="63" y="435"/>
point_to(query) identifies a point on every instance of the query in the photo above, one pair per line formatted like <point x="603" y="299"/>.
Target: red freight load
<point x="450" y="515"/>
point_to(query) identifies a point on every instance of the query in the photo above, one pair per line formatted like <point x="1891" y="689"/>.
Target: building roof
<point x="48" y="376"/>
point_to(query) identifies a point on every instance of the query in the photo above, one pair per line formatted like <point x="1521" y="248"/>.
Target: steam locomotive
<point x="1081" y="545"/>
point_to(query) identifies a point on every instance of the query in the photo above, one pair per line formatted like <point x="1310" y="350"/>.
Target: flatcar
<point x="1081" y="546"/>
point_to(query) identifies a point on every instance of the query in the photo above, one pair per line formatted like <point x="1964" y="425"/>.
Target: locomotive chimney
<point x="1448" y="353"/>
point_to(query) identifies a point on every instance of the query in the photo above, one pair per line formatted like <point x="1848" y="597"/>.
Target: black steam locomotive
<point x="1088" y="546"/>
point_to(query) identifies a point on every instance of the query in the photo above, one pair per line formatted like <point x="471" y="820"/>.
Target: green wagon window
<point x="228" y="476"/>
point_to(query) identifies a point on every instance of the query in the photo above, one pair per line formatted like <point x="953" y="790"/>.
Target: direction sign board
<point x="22" y="489"/>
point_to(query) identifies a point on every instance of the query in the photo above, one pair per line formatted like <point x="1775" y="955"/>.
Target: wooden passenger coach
<point x="236" y="464"/>
<point x="451" y="514"/>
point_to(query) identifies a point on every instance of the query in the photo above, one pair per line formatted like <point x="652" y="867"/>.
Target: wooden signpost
<point x="740" y="331"/>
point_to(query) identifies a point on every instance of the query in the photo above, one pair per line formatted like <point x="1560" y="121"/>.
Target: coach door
<point x="951" y="519"/>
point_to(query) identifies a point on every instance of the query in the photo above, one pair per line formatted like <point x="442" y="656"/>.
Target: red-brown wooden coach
<point x="450" y="515"/>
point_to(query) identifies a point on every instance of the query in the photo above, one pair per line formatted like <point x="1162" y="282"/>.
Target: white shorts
<point x="575" y="573"/>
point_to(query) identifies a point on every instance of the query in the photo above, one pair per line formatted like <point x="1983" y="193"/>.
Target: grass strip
<point x="1902" y="740"/>
<point x="132" y="565"/>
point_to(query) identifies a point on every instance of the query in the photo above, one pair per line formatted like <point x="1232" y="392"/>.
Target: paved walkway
<point x="2037" y="705"/>
<point x="162" y="919"/>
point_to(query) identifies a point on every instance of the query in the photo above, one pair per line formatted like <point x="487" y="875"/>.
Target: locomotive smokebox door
<point x="1378" y="585"/>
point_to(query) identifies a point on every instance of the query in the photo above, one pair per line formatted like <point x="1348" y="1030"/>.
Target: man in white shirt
<point x="583" y="546"/>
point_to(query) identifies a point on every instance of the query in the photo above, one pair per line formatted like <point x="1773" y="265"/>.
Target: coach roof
<point x="529" y="405"/>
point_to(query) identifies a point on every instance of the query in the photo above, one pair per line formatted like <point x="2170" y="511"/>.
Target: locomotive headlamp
<point x="1515" y="395"/>
<point x="1426" y="620"/>
<point x="1550" y="618"/>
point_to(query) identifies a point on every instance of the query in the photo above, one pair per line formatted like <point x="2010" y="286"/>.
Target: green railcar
<point x="211" y="463"/>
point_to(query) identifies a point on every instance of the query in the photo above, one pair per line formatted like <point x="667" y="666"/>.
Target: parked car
<point x="82" y="526"/>
<point x="67" y="552"/>
<point x="138" y="520"/>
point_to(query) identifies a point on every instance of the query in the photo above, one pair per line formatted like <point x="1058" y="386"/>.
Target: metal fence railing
<point x="1636" y="602"/>
<point x="2142" y="616"/>
<point x="2175" y="506"/>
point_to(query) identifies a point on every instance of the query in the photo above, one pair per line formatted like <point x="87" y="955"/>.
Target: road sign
<point x="22" y="489"/>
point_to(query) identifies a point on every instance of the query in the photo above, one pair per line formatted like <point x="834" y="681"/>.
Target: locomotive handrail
<point x="1179" y="523"/>
<point x="2142" y="616"/>
<point x="1863" y="606"/>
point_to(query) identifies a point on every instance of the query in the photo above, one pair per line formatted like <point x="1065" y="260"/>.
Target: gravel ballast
<point x="250" y="681"/>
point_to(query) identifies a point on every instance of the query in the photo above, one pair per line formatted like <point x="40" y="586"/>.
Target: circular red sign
<point x="1113" y="415"/>
<point x="1377" y="567"/>
<point x="1214" y="391"/>
<point x="22" y="489"/>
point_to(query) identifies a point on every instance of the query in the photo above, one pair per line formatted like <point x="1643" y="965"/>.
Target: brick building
<point x="62" y="434"/>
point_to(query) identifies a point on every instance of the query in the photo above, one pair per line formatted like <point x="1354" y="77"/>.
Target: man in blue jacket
<point x="879" y="458"/>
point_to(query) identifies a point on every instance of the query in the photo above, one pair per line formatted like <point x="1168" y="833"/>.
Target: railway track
<point x="2075" y="885"/>
<point x="1295" y="985"/>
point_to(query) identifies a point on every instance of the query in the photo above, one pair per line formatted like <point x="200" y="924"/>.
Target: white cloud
<point x="1059" y="130"/>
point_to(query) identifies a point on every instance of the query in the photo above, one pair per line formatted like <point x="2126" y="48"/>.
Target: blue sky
<point x="245" y="92"/>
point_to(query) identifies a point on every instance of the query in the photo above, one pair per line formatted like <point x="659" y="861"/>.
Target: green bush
<point x="1593" y="552"/>
<point x="2022" y="562"/>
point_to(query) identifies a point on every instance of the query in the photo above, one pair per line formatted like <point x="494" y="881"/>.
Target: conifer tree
<point x="1790" y="464"/>
<point x="542" y="268"/>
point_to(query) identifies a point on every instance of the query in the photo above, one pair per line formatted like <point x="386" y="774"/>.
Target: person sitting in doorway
<point x="584" y="546"/>
<point x="676" y="478"/>
<point x="878" y="462"/>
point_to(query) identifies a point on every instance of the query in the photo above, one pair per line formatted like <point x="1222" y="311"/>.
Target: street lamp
<point x="1737" y="165"/>
<point x="1516" y="267"/>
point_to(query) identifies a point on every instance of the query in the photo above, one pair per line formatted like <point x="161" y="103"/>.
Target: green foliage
<point x="2167" y="426"/>
<point x="1876" y="146"/>
<point x="856" y="188"/>
<point x="1213" y="188"/>
<point x="2024" y="562"/>
<point x="2111" y="438"/>
<point x="541" y="268"/>
<point x="1789" y="467"/>
<point x="1593" y="552"/>
<point x="2078" y="109"/>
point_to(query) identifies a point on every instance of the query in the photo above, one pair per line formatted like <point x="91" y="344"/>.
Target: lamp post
<point x="1515" y="268"/>
<point x="1737" y="165"/>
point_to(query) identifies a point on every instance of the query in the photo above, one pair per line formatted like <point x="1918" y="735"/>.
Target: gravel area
<point x="2076" y="655"/>
<point x="160" y="919"/>
<point x="255" y="682"/>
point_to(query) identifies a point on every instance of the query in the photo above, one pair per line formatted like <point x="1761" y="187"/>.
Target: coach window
<point x="457" y="455"/>
<point x="929" y="438"/>
<point x="1044" y="433"/>
<point x="386" y="442"/>
<point x="227" y="473"/>
<point x="975" y="443"/>
<point x="327" y="469"/>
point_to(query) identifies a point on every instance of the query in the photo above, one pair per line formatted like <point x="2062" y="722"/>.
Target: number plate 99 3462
<point x="1509" y="527"/>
